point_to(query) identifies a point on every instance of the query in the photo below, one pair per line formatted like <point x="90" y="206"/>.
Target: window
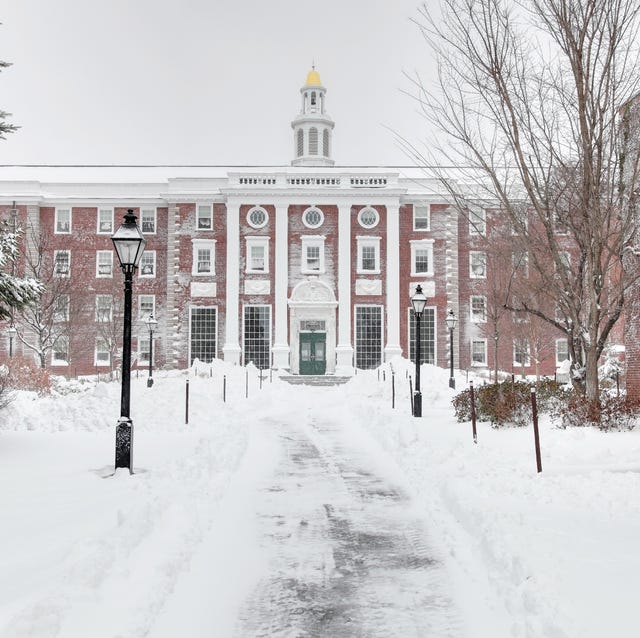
<point x="521" y="355"/>
<point x="562" y="351"/>
<point x="421" y="217"/>
<point x="104" y="305"/>
<point x="146" y="306"/>
<point x="62" y="263"/>
<point x="313" y="217"/>
<point x="478" y="309"/>
<point x="312" y="254"/>
<point x="368" y="338"/>
<point x="565" y="259"/>
<point x="148" y="218"/>
<point x="60" y="352"/>
<point x="61" y="308"/>
<point x="148" y="264"/>
<point x="257" y="254"/>
<point x="102" y="353"/>
<point x="257" y="336"/>
<point x="105" y="220"/>
<point x="477" y="221"/>
<point x="203" y="334"/>
<point x="368" y="217"/>
<point x="63" y="220"/>
<point x="368" y="255"/>
<point x="300" y="143"/>
<point x="422" y="258"/>
<point x="104" y="263"/>
<point x="478" y="352"/>
<point x="520" y="221"/>
<point x="520" y="260"/>
<point x="313" y="138"/>
<point x="559" y="223"/>
<point x="144" y="350"/>
<point x="477" y="265"/>
<point x="257" y="217"/>
<point x="427" y="336"/>
<point x="204" y="217"/>
<point x="203" y="257"/>
<point x="325" y="142"/>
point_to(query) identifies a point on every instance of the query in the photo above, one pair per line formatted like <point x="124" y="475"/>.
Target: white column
<point x="344" y="349"/>
<point x="231" y="348"/>
<point x="392" y="347"/>
<point x="280" y="344"/>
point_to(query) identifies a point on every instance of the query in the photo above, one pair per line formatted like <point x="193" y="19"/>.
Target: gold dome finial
<point x="313" y="77"/>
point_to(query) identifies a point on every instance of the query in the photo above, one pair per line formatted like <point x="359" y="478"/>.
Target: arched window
<point x="325" y="142"/>
<point x="313" y="141"/>
<point x="300" y="143"/>
<point x="313" y="98"/>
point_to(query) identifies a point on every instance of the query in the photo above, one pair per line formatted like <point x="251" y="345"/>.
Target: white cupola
<point x="312" y="128"/>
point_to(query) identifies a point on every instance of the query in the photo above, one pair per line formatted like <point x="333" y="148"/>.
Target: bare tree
<point x="529" y="99"/>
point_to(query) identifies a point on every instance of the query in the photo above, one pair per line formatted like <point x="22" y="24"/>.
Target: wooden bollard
<point x="472" y="399"/>
<point x="186" y="403"/>
<point x="536" y="433"/>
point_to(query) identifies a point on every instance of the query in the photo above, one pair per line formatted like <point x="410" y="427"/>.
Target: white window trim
<point x="415" y="245"/>
<point x="55" y="261"/>
<point x="153" y="310"/>
<point x="312" y="240"/>
<point x="527" y="362"/>
<point x="155" y="220"/>
<point x="55" y="221"/>
<point x="96" y="361"/>
<point x="60" y="362"/>
<point x="108" y="209"/>
<point x="200" y="244"/>
<point x="62" y="317"/>
<point x="473" y="229"/>
<point x="204" y="230"/>
<point x="312" y="226"/>
<point x="477" y="364"/>
<point x="428" y="207"/>
<point x="366" y="241"/>
<point x="153" y="275"/>
<point x="472" y="318"/>
<point x="366" y="209"/>
<point x="566" y="342"/>
<point x="473" y="275"/>
<point x="257" y="241"/>
<point x="266" y="217"/>
<point x="97" y="314"/>
<point x="139" y="351"/>
<point x="104" y="252"/>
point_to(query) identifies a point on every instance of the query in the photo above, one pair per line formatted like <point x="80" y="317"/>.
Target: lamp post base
<point x="452" y="383"/>
<point x="149" y="382"/>
<point x="124" y="443"/>
<point x="417" y="404"/>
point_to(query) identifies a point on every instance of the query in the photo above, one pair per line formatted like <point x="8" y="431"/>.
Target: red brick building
<point x="308" y="267"/>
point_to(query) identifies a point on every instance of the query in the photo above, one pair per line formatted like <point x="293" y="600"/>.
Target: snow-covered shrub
<point x="612" y="413"/>
<point x="6" y="396"/>
<point x="24" y="374"/>
<point x="508" y="403"/>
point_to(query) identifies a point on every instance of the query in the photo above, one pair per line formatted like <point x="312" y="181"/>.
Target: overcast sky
<point x="204" y="81"/>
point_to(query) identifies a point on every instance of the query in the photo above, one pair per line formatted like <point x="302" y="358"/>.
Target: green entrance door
<point x="313" y="353"/>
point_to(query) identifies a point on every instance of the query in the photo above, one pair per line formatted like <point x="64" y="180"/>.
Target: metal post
<point x="224" y="389"/>
<point x="536" y="433"/>
<point x="246" y="383"/>
<point x="150" y="379"/>
<point x="411" y="392"/>
<point x="452" y="381"/>
<point x="417" y="397"/>
<point x="472" y="399"/>
<point x="124" y="429"/>
<point x="393" y="390"/>
<point x="186" y="403"/>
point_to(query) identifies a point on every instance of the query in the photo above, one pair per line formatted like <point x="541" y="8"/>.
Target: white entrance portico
<point x="312" y="303"/>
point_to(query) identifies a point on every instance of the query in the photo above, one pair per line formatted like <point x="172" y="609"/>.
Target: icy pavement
<point x="348" y="552"/>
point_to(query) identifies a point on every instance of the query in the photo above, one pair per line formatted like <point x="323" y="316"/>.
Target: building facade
<point x="308" y="267"/>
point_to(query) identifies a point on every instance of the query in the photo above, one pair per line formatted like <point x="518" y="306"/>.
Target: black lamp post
<point x="418" y="301"/>
<point x="451" y="324"/>
<point x="129" y="244"/>
<point x="12" y="333"/>
<point x="151" y="322"/>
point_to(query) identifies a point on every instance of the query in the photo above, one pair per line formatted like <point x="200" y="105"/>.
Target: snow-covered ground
<point x="173" y="551"/>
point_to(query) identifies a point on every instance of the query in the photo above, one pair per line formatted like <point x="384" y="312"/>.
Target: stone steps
<point x="318" y="380"/>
